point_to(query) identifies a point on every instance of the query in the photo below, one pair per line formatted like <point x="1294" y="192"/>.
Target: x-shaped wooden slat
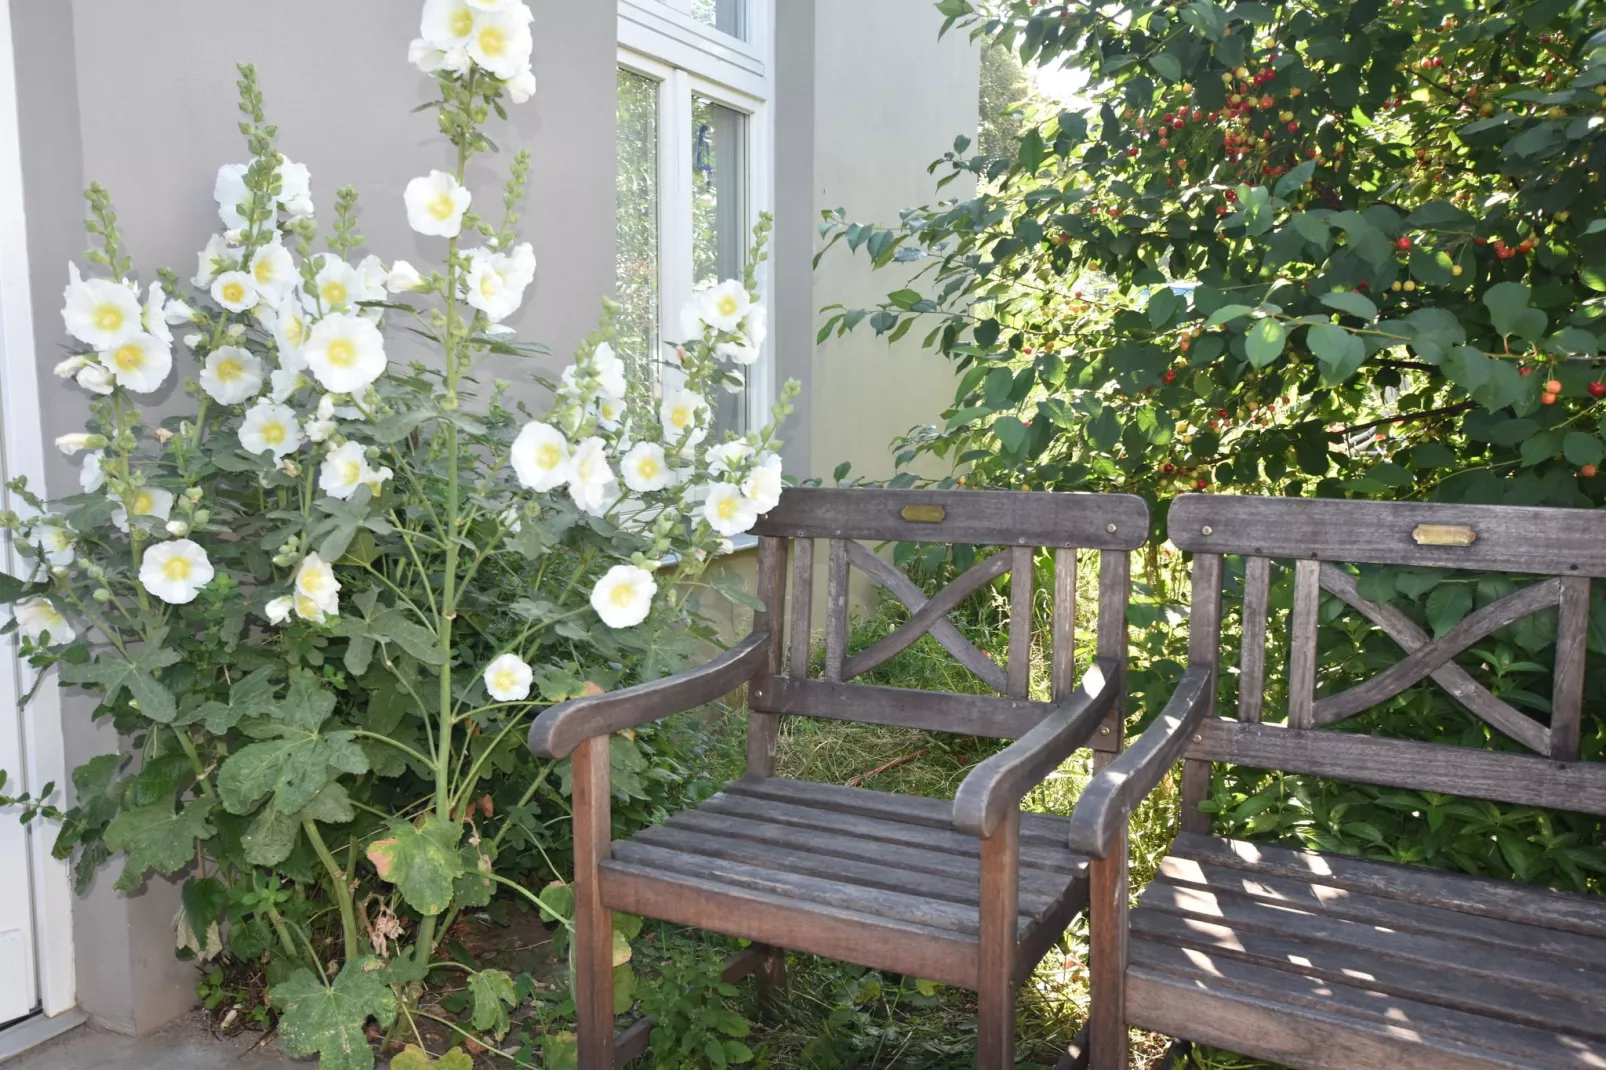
<point x="1433" y="658"/>
<point x="928" y="615"/>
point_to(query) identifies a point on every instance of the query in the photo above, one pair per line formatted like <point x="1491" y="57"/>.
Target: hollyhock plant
<point x="324" y="592"/>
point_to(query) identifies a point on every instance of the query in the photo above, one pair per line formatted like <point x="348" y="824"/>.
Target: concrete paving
<point x="184" y="1045"/>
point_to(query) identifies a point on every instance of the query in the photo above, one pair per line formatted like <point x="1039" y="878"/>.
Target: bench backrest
<point x="845" y="520"/>
<point x="1564" y="549"/>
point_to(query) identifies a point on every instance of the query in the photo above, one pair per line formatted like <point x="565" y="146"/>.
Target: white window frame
<point x="688" y="58"/>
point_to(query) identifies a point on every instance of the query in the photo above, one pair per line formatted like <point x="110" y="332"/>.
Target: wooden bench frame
<point x="1568" y="546"/>
<point x="987" y="803"/>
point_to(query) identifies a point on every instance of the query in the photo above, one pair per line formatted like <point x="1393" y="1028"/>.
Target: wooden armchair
<point x="970" y="892"/>
<point x="1322" y="961"/>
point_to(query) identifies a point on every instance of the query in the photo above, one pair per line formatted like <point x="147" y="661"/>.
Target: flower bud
<point x="283" y="560"/>
<point x="177" y="528"/>
<point x="102" y="595"/>
<point x="193" y="494"/>
<point x="236" y="330"/>
<point x="202" y="516"/>
<point x="193" y="340"/>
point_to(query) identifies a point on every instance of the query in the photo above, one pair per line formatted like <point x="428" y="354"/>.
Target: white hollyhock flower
<point x="148" y="501"/>
<point x="541" y="457"/>
<point x="283" y="382"/>
<point x="458" y="61"/>
<point x="497" y="281"/>
<point x="508" y="679"/>
<point x="591" y="482"/>
<point x="99" y="312"/>
<point x="726" y="305"/>
<point x="55" y="543"/>
<point x="274" y="271"/>
<point x="37" y="616"/>
<point x="729" y="511"/>
<point x="338" y="284"/>
<point x="764" y="484"/>
<point x="610" y="372"/>
<point x="372" y="276"/>
<point x="231" y="376"/>
<point x="71" y="366"/>
<point x="684" y="413"/>
<point x="77" y="442"/>
<point x="403" y="278"/>
<point x="757" y="326"/>
<point x="447" y="24"/>
<point x="278" y="611"/>
<point x="344" y="470"/>
<point x="295" y="189"/>
<point x="346" y="354"/>
<point x="231" y="194"/>
<point x="316" y="585"/>
<point x="691" y="320"/>
<point x="213" y="260"/>
<point x="736" y="352"/>
<point x="501" y="42"/>
<point x="156" y="319"/>
<point x="646" y="468"/>
<point x="176" y="312"/>
<point x="291" y="328"/>
<point x="175" y="571"/>
<point x="139" y="364"/>
<point x="623" y="597"/>
<point x="272" y="427"/>
<point x="728" y="457"/>
<point x="521" y="87"/>
<point x="493" y="5"/>
<point x="435" y="205"/>
<point x="96" y="379"/>
<point x="92" y="476"/>
<point x="610" y="412"/>
<point x="235" y="291"/>
<point x="425" y="56"/>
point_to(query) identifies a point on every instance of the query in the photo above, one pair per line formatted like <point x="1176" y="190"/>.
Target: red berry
<point x="1403" y="243"/>
<point x="1597" y="390"/>
<point x="1167" y="469"/>
<point x="1293" y="128"/>
<point x="1221" y="413"/>
<point x="1547" y="399"/>
<point x="1221" y="209"/>
<point x="1363" y="285"/>
<point x="1525" y="372"/>
<point x="1588" y="471"/>
<point x="1480" y="240"/>
<point x="1505" y="252"/>
<point x="1232" y="195"/>
<point x="1132" y="152"/>
<point x="1202" y="483"/>
<point x="1553" y="386"/>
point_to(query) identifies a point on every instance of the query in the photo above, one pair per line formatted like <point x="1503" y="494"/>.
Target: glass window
<point x="719" y="212"/>
<point x="638" y="255"/>
<point x="726" y="16"/>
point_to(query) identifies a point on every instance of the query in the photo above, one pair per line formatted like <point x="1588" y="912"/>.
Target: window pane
<point x="726" y="16"/>
<point x="637" y="207"/>
<point x="719" y="212"/>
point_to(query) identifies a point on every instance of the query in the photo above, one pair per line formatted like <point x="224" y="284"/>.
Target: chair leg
<point x="593" y="923"/>
<point x="772" y="977"/>
<point x="995" y="982"/>
<point x="1107" y="917"/>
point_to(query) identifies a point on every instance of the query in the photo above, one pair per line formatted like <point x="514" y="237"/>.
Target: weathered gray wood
<point x="1115" y="591"/>
<point x="802" y="608"/>
<point x="1302" y="645"/>
<point x="593" y="922"/>
<point x="1204" y="618"/>
<point x="1422" y="662"/>
<point x="1020" y="621"/>
<point x="560" y="729"/>
<point x="1063" y="670"/>
<point x="1108" y="936"/>
<point x="995" y="788"/>
<point x="1195" y="790"/>
<point x="1503" y="900"/>
<point x="1001" y="929"/>
<point x="704" y="902"/>
<point x="1450" y="676"/>
<point x="632" y="1042"/>
<point x="1252" y="661"/>
<point x="1047" y="928"/>
<point x="836" y="609"/>
<point x="1559" y="542"/>
<point x="1109" y="798"/>
<point x="1304" y="1037"/>
<point x="981" y="518"/>
<point x="1543" y="1048"/>
<point x="934" y="711"/>
<point x="763" y="729"/>
<point x="928" y="616"/>
<point x="1515" y="778"/>
<point x="1572" y="639"/>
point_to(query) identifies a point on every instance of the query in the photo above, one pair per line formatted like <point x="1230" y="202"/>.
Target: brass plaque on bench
<point x="1444" y="535"/>
<point x="924" y="514"/>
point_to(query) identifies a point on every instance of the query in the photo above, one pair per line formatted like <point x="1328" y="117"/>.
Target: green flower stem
<point x="524" y="800"/>
<point x="338" y="878"/>
<point x="510" y="1056"/>
<point x="460" y="804"/>
<point x="202" y="781"/>
<point x="568" y="923"/>
<point x="285" y="940"/>
<point x="404" y="748"/>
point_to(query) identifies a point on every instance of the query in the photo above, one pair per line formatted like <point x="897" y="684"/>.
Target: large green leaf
<point x="1509" y="312"/>
<point x="251" y="697"/>
<point x="1357" y="305"/>
<point x="112" y="673"/>
<point x="422" y="861"/>
<point x="296" y="757"/>
<point x="1340" y="352"/>
<point x="1265" y="342"/>
<point x="328" y="1020"/>
<point x="413" y="1057"/>
<point x="156" y="837"/>
<point x="492" y="992"/>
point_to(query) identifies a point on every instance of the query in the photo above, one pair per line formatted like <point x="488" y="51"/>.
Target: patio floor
<point x="185" y="1045"/>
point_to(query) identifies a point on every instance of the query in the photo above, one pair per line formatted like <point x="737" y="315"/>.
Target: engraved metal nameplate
<point x="924" y="514"/>
<point x="1444" y="535"/>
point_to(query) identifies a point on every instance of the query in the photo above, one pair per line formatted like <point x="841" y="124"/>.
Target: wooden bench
<point x="969" y="892"/>
<point x="1331" y="962"/>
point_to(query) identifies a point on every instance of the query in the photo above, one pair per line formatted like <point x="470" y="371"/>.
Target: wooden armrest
<point x="1001" y="781"/>
<point x="1110" y="797"/>
<point x="562" y="728"/>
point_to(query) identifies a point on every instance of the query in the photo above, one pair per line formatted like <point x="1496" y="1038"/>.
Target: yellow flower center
<point x="443" y="206"/>
<point x="312" y="582"/>
<point x="308" y="609"/>
<point x="143" y="502"/>
<point x="273" y="434"/>
<point x="624" y="594"/>
<point x="176" y="569"/>
<point x="130" y="357"/>
<point x="350" y="471"/>
<point x="342" y="353"/>
<point x="295" y="331"/>
<point x="109" y="318"/>
<point x="462" y="22"/>
<point x="548" y="457"/>
<point x="726" y="508"/>
<point x="334" y="292"/>
<point x="728" y="306"/>
<point x="490" y="284"/>
<point x="233" y="292"/>
<point x="492" y="42"/>
<point x="263" y="271"/>
<point x="680" y="418"/>
<point x="505" y="680"/>
<point x="647" y="468"/>
<point x="229" y="370"/>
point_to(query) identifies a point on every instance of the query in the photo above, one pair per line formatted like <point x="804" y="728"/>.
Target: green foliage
<point x="327" y="1019"/>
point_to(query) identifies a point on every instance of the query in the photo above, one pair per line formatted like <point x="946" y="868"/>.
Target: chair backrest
<point x="1564" y="549"/>
<point x="1021" y="522"/>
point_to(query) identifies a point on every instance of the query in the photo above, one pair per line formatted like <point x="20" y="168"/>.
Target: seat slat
<point x="1456" y="891"/>
<point x="1569" y="949"/>
<point x="1539" y="1047"/>
<point x="834" y="845"/>
<point x="1058" y="860"/>
<point x="1475" y="993"/>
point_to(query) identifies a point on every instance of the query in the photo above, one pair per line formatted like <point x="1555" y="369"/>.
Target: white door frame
<point x="23" y="449"/>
